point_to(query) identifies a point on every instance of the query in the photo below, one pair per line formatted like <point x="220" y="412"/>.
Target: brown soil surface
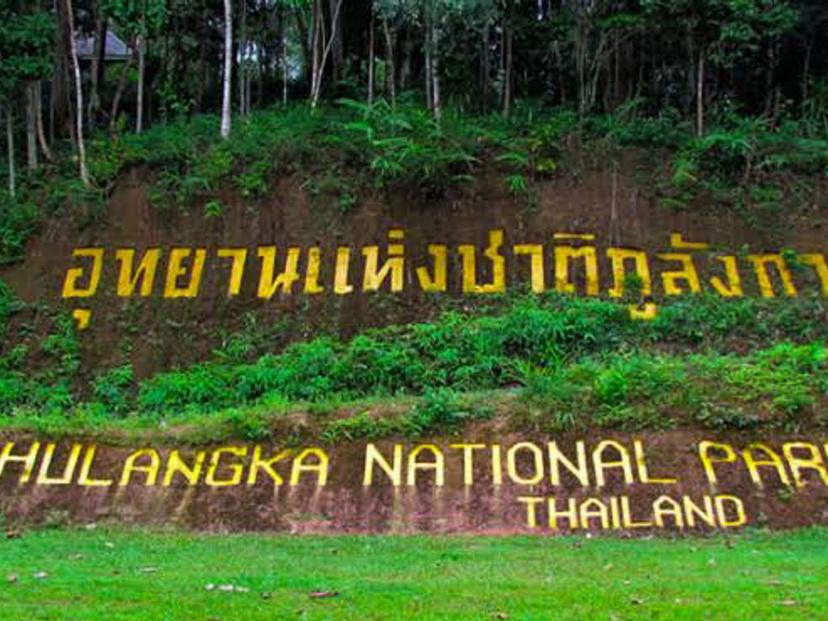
<point x="163" y="333"/>
<point x="345" y="505"/>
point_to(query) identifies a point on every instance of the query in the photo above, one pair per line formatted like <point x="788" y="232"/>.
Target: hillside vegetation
<point x="347" y="150"/>
<point x="554" y="362"/>
<point x="718" y="106"/>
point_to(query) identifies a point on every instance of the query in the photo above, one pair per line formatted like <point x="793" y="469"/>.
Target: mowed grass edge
<point x="147" y="575"/>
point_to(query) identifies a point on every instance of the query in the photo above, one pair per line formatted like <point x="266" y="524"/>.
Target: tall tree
<point x="228" y="69"/>
<point x="26" y="36"/>
<point x="720" y="32"/>
<point x="73" y="57"/>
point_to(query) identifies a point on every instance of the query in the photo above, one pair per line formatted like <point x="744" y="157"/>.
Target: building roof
<point x="115" y="48"/>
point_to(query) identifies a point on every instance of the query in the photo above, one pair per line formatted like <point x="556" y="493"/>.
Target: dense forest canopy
<point x="685" y="59"/>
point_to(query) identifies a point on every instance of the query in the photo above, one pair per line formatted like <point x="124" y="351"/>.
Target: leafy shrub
<point x="112" y="389"/>
<point x="439" y="409"/>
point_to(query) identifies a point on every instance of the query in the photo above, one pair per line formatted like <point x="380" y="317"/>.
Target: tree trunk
<point x="247" y="93"/>
<point x="336" y="38"/>
<point x="38" y="99"/>
<point x="61" y="116"/>
<point x="228" y="68"/>
<point x="284" y="61"/>
<point x="242" y="43"/>
<point x="507" y="76"/>
<point x="96" y="72"/>
<point x="405" y="69"/>
<point x="31" y="128"/>
<point x="283" y="53"/>
<point x="484" y="70"/>
<point x="302" y="27"/>
<point x="700" y="93"/>
<point x="10" y="149"/>
<point x="389" y="61"/>
<point x="139" y="106"/>
<point x="317" y="87"/>
<point x="806" y="67"/>
<point x="429" y="84"/>
<point x="315" y="37"/>
<point x="371" y="59"/>
<point x="435" y="77"/>
<point x="84" y="173"/>
<point x="119" y="90"/>
<point x="203" y="78"/>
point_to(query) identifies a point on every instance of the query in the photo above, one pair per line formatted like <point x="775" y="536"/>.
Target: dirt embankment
<point x="162" y="332"/>
<point x="619" y="483"/>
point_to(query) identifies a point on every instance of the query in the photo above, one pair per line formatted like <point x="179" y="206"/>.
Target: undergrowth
<point x="573" y="361"/>
<point x="352" y="147"/>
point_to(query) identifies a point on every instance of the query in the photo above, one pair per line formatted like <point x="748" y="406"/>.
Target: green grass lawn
<point x="143" y="575"/>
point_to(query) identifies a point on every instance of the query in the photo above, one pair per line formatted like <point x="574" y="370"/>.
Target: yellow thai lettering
<point x="238" y="259"/>
<point x="731" y="287"/>
<point x="394" y="265"/>
<point x="312" y="286"/>
<point x="593" y="508"/>
<point x="145" y="272"/>
<point x="619" y="257"/>
<point x="686" y="274"/>
<point x="343" y="260"/>
<point x="438" y="280"/>
<point x="469" y="264"/>
<point x="564" y="257"/>
<point x="531" y="515"/>
<point x="177" y="268"/>
<point x="72" y="287"/>
<point x="269" y="282"/>
<point x="761" y="263"/>
<point x="535" y="253"/>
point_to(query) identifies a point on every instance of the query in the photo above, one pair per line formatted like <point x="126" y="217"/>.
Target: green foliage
<point x="112" y="389"/>
<point x="573" y="356"/>
<point x="439" y="410"/>
<point x="361" y="426"/>
<point x="779" y="387"/>
<point x="213" y="209"/>
<point x="61" y="345"/>
<point x="26" y="41"/>
<point x="8" y="305"/>
<point x="19" y="219"/>
<point x="407" y="145"/>
<point x="463" y="353"/>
